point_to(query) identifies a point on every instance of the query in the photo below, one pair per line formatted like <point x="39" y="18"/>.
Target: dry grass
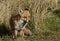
<point x="45" y="19"/>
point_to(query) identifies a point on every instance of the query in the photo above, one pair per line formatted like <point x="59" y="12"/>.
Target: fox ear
<point x="20" y="11"/>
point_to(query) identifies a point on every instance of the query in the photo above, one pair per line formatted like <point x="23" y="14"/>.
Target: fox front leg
<point x="14" y="34"/>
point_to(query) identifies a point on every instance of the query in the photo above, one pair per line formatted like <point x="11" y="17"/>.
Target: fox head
<point x="25" y="15"/>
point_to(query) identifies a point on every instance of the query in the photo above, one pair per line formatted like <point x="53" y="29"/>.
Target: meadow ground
<point x="45" y="19"/>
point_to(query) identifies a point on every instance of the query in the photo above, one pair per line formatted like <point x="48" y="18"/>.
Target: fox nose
<point x="29" y="20"/>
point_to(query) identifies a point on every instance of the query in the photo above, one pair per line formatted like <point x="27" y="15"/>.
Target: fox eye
<point x="24" y="17"/>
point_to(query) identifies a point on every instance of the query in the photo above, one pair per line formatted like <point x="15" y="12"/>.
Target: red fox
<point x="18" y="22"/>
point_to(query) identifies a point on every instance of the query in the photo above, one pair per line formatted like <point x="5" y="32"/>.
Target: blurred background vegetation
<point x="45" y="19"/>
